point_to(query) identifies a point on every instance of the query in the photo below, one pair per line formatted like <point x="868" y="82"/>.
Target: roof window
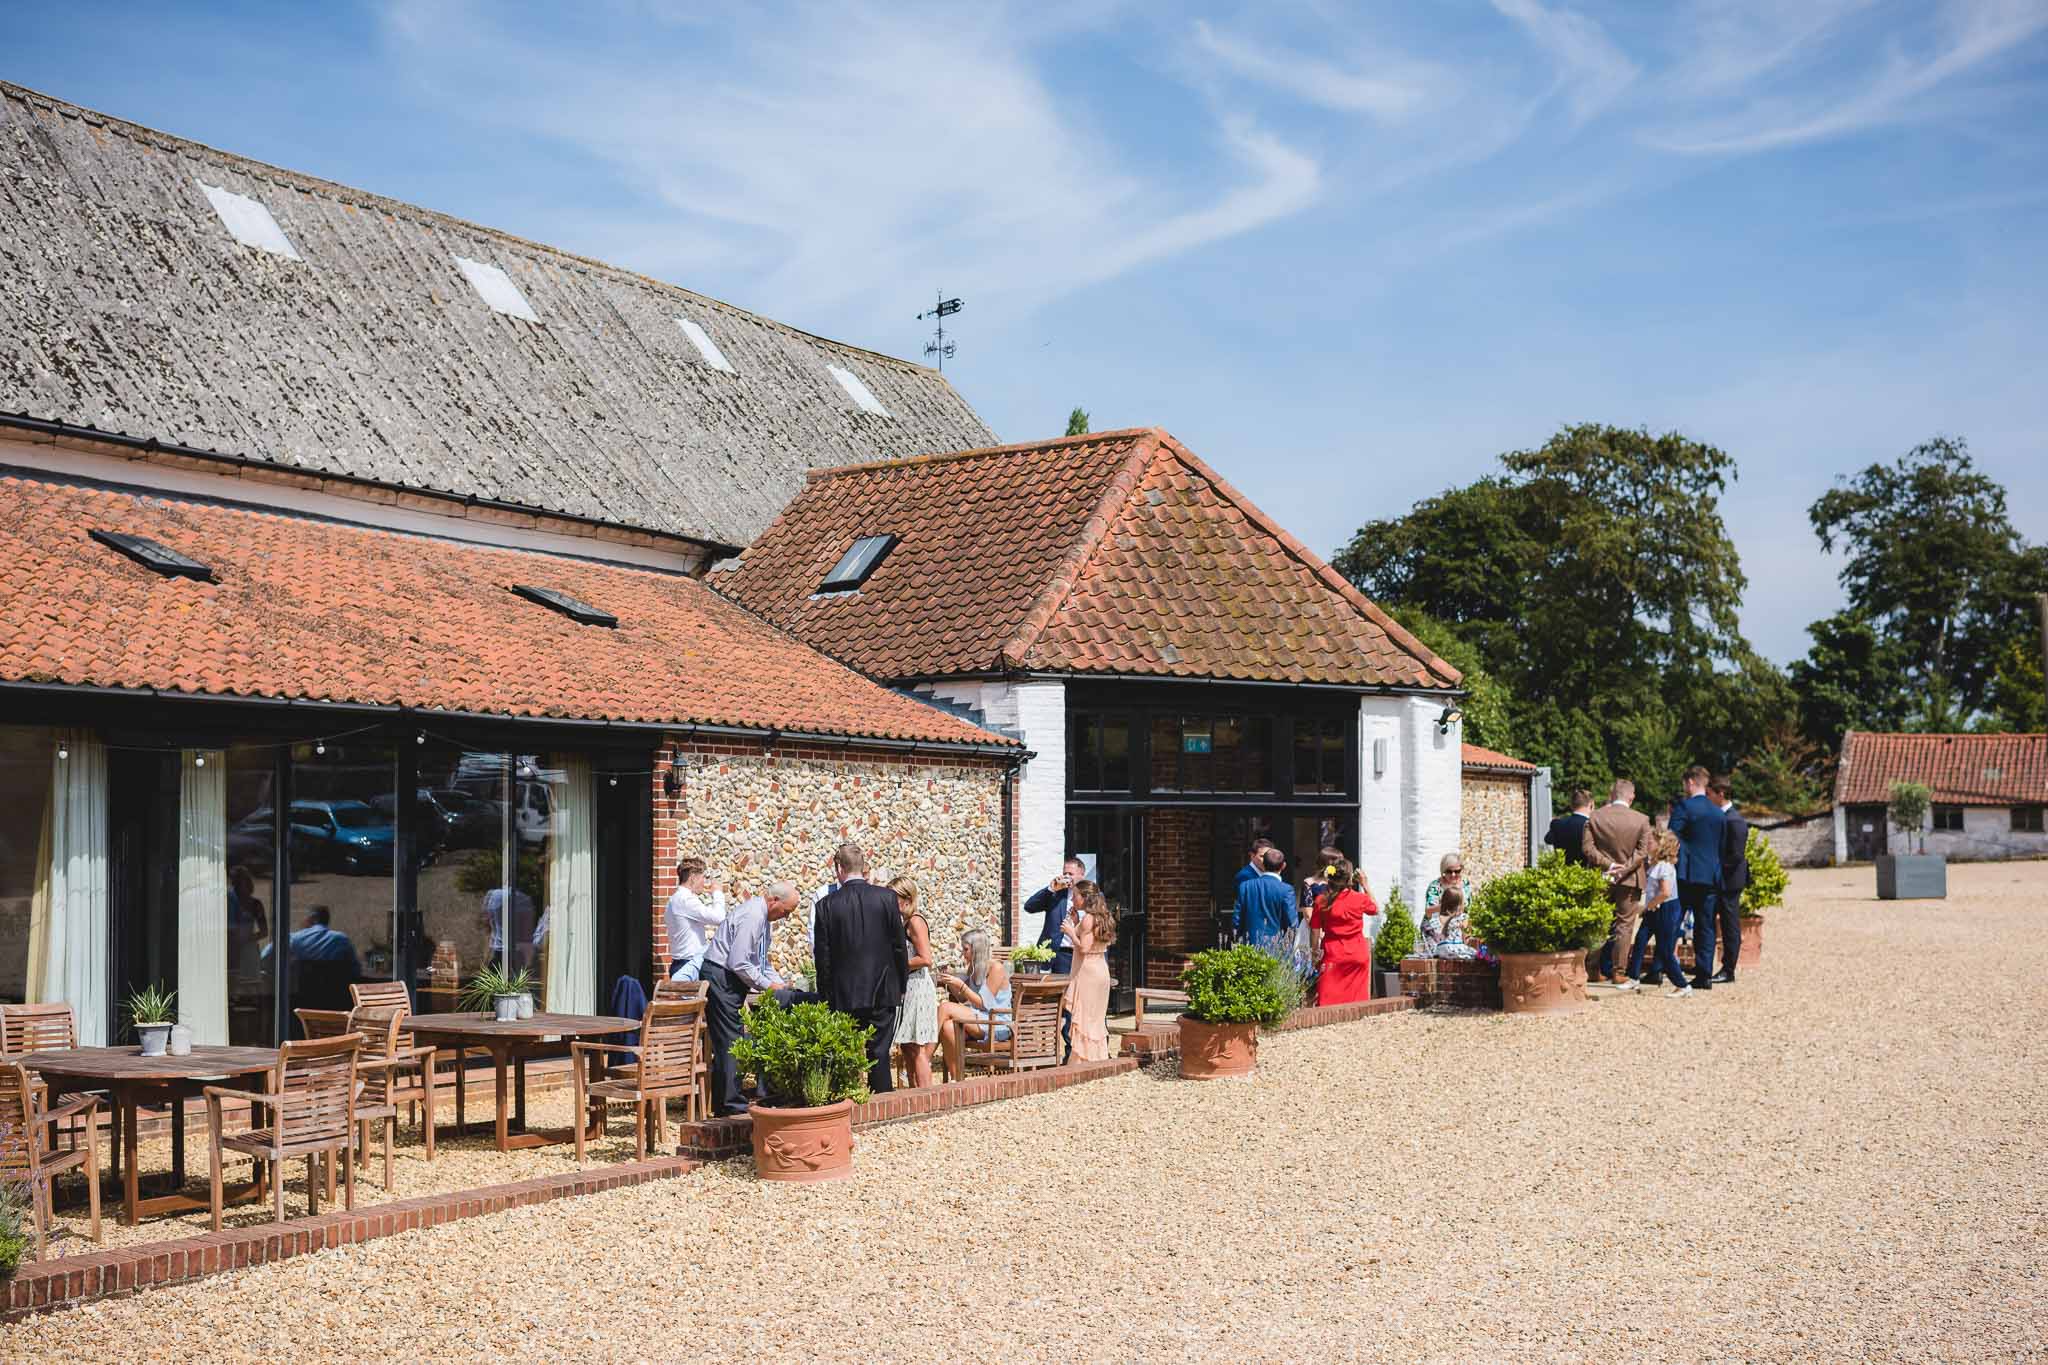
<point x="706" y="347"/>
<point x="154" y="557"/>
<point x="582" y="613"/>
<point x="495" y="287"/>
<point x="248" y="222"/>
<point x="857" y="391"/>
<point x="858" y="563"/>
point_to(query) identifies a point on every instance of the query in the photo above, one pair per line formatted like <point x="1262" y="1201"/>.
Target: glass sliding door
<point x="341" y="842"/>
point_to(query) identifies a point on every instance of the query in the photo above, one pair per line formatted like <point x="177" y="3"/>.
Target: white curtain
<point x="203" y="895"/>
<point x="570" y="924"/>
<point x="69" y="920"/>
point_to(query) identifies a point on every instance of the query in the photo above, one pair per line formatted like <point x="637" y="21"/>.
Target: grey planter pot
<point x="153" y="1037"/>
<point x="1390" y="985"/>
<point x="1912" y="877"/>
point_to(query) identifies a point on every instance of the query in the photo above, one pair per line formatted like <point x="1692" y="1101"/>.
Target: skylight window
<point x="495" y="287"/>
<point x="858" y="563"/>
<point x="580" y="612"/>
<point x="857" y="391"/>
<point x="248" y="222"/>
<point x="706" y="347"/>
<point x="153" y="556"/>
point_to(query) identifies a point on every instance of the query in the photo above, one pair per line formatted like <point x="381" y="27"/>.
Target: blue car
<point x="346" y="836"/>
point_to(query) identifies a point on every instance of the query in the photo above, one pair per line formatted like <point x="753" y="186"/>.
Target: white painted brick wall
<point x="1432" y="796"/>
<point x="1380" y="835"/>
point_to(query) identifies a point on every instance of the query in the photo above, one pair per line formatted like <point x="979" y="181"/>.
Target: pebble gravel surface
<point x="1838" y="1158"/>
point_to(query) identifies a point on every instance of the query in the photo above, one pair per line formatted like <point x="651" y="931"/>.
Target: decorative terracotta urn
<point x="1752" y="941"/>
<point x="803" y="1144"/>
<point x="1212" y="1051"/>
<point x="1543" y="983"/>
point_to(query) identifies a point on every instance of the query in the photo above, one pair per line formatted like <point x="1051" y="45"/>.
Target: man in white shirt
<point x="691" y="919"/>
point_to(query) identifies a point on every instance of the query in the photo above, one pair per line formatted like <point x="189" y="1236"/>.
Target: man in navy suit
<point x="1051" y="901"/>
<point x="1734" y="875"/>
<point x="1265" y="909"/>
<point x="1699" y="825"/>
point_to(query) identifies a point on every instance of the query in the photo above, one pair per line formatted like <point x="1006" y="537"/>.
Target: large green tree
<point x="1933" y="564"/>
<point x="1853" y="678"/>
<point x="1596" y="580"/>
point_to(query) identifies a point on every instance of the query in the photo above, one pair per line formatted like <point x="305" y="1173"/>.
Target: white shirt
<point x="690" y="922"/>
<point x="1667" y="874"/>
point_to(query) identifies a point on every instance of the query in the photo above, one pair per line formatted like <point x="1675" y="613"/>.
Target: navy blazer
<point x="1265" y="909"/>
<point x="1699" y="824"/>
<point x="1734" y="851"/>
<point x="1053" y="906"/>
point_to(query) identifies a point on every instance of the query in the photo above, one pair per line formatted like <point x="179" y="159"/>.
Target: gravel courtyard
<point x="1840" y="1157"/>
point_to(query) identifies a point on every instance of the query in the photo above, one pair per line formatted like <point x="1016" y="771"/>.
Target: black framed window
<point x="2027" y="819"/>
<point x="1199" y="753"/>
<point x="1321" y="744"/>
<point x="1099" y="751"/>
<point x="1949" y="818"/>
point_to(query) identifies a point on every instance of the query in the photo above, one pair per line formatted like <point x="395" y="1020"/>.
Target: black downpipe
<point x="280" y="890"/>
<point x="1009" y="855"/>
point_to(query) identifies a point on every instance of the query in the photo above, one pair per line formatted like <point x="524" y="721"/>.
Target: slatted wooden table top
<point x="113" y="1064"/>
<point x="483" y="1027"/>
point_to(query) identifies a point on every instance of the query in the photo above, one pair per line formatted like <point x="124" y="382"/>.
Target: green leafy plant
<point x="1238" y="985"/>
<point x="1766" y="876"/>
<point x="804" y="1056"/>
<point x="491" y="982"/>
<point x="153" y="1005"/>
<point x="1397" y="935"/>
<point x="1031" y="954"/>
<point x="1552" y="907"/>
<point x="14" y="1232"/>
<point x="1908" y="809"/>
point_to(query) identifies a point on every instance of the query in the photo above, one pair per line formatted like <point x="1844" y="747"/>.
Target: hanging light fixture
<point x="199" y="760"/>
<point x="63" y="751"/>
<point x="320" y="746"/>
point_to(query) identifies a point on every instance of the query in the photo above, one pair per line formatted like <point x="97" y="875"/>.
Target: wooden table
<point x="510" y="1044"/>
<point x="131" y="1081"/>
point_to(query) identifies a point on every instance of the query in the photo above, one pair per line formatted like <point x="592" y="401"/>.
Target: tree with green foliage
<point x="1935" y="566"/>
<point x="1853" y="678"/>
<point x="1767" y="879"/>
<point x="2018" y="701"/>
<point x="1908" y="809"/>
<point x="1397" y="936"/>
<point x="1553" y="907"/>
<point x="1077" y="422"/>
<point x="1784" y="773"/>
<point x="1486" y="703"/>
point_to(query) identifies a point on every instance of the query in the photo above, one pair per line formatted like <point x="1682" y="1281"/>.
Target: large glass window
<point x="26" y="755"/>
<point x="1320" y="747"/>
<point x="342" y="843"/>
<point x="249" y="808"/>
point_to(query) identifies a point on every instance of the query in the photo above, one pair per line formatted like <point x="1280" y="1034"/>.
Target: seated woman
<point x="965" y="1016"/>
<point x="1450" y="877"/>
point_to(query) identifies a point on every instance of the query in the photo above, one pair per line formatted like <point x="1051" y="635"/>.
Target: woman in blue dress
<point x="984" y="989"/>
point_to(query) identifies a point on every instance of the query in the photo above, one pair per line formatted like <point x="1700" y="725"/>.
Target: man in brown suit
<point x="1620" y="840"/>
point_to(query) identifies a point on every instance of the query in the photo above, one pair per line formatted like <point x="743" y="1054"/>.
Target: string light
<point x="320" y="746"/>
<point x="63" y="751"/>
<point x="199" y="760"/>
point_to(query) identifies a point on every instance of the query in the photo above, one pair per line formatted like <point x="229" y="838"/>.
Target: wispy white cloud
<point x="1722" y="45"/>
<point x="1891" y="89"/>
<point x="1391" y="91"/>
<point x="1592" y="72"/>
<point x="844" y="161"/>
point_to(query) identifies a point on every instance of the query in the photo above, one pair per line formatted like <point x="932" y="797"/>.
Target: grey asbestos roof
<point x="129" y="307"/>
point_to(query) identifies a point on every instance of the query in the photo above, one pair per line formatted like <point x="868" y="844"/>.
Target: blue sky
<point x="1348" y="252"/>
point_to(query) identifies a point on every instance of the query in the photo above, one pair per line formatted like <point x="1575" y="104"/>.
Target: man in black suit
<point x="1698" y="823"/>
<point x="1568" y="832"/>
<point x="862" y="957"/>
<point x="1051" y="901"/>
<point x="1734" y="876"/>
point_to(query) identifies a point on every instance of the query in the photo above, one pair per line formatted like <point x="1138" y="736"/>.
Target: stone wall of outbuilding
<point x="1494" y="836"/>
<point x="758" y="816"/>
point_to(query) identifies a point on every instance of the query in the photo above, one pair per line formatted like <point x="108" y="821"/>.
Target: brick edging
<point x="1160" y="1037"/>
<point x="67" y="1281"/>
<point x="724" y="1137"/>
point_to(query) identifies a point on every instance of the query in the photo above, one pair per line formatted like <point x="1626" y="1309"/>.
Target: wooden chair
<point x="1034" y="1019"/>
<point x="323" y="1023"/>
<point x="700" y="1103"/>
<point x="311" y="1104"/>
<point x="27" y="1156"/>
<point x="671" y="1055"/>
<point x="36" y="1028"/>
<point x="1144" y="996"/>
<point x="395" y="1076"/>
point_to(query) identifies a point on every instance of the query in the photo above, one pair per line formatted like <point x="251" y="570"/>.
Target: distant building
<point x="1506" y="812"/>
<point x="1990" y="793"/>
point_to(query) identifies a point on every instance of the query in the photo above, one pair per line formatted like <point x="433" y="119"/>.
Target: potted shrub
<point x="1031" y="958"/>
<point x="1766" y="888"/>
<point x="1911" y="876"/>
<point x="812" y="1062"/>
<point x="1396" y="941"/>
<point x="1231" y="991"/>
<point x="153" y="1010"/>
<point x="1540" y="922"/>
<point x="493" y="991"/>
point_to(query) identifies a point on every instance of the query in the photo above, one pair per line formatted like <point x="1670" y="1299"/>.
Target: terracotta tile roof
<point x="1118" y="552"/>
<point x="1962" y="770"/>
<point x="320" y="610"/>
<point x="1476" y="757"/>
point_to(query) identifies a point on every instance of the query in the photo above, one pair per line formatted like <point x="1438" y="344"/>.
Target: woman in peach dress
<point x="1091" y="928"/>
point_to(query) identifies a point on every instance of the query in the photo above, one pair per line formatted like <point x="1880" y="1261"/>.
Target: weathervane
<point x="938" y="347"/>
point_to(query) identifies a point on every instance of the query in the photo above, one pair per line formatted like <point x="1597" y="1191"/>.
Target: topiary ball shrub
<point x="1238" y="985"/>
<point x="1554" y="907"/>
<point x="1767" y="877"/>
<point x="806" y="1056"/>
<point x="1397" y="935"/>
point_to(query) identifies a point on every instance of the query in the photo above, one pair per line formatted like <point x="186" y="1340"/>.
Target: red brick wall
<point x="1179" y="910"/>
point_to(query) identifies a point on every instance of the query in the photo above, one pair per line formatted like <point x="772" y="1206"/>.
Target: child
<point x="1662" y="893"/>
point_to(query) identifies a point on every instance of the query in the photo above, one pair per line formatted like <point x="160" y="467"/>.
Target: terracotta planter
<point x="1543" y="983"/>
<point x="1212" y="1051"/>
<point x="1752" y="941"/>
<point x="803" y="1144"/>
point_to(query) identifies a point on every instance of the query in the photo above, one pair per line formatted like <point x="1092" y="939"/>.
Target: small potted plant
<point x="1540" y="922"/>
<point x="812" y="1063"/>
<point x="1911" y="876"/>
<point x="494" y="991"/>
<point x="1231" y="992"/>
<point x="1396" y="941"/>
<point x="1031" y="959"/>
<point x="1766" y="889"/>
<point x="153" y="1010"/>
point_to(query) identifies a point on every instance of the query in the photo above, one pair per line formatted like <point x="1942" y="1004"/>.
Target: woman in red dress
<point x="1341" y="920"/>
